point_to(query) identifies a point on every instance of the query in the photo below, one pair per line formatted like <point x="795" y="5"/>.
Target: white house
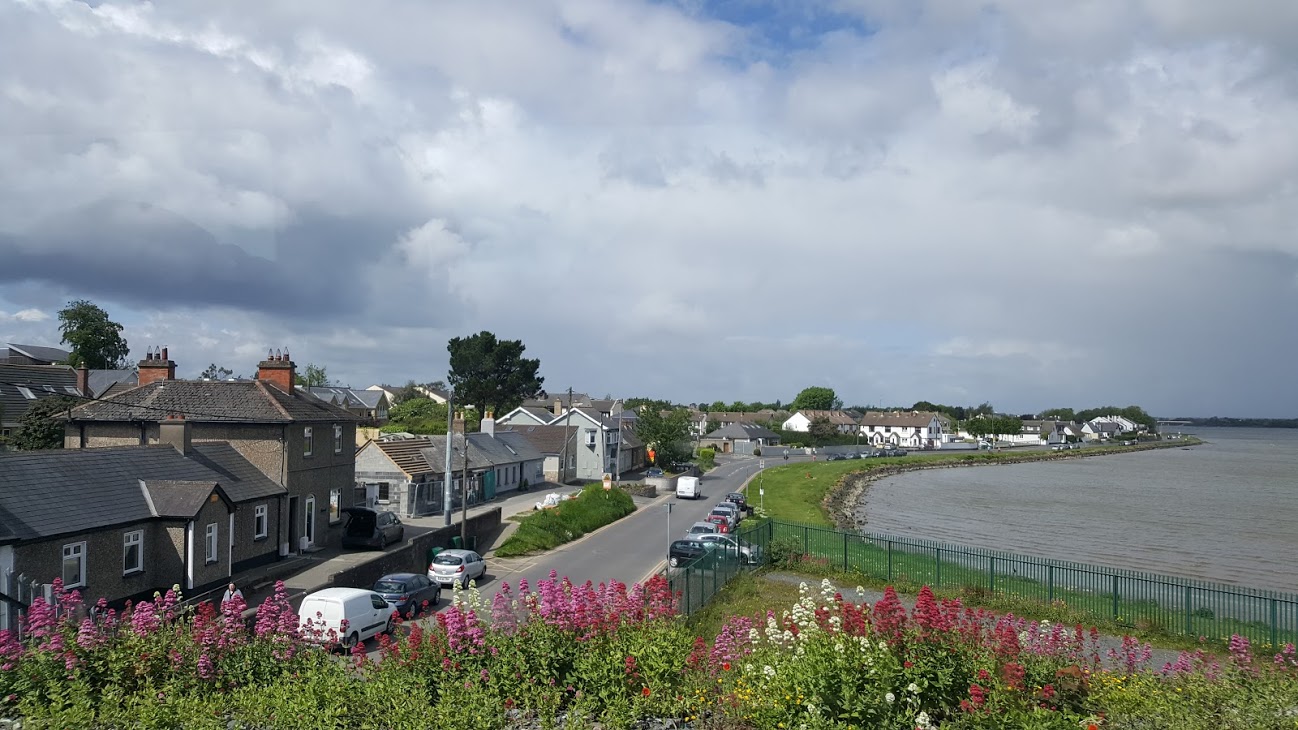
<point x="913" y="429"/>
<point x="1124" y="424"/>
<point x="801" y="421"/>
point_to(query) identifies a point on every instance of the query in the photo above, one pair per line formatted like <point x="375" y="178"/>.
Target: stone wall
<point x="412" y="556"/>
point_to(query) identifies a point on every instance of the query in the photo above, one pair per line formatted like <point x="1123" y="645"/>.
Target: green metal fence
<point x="1174" y="605"/>
<point x="695" y="583"/>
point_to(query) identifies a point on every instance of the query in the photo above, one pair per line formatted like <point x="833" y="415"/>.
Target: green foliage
<point x="646" y="404"/>
<point x="821" y="431"/>
<point x="784" y="551"/>
<point x="994" y="426"/>
<point x="41" y="427"/>
<point x="668" y="436"/>
<point x="707" y="459"/>
<point x="1058" y="414"/>
<point x="492" y="374"/>
<point x="315" y="376"/>
<point x="96" y="340"/>
<point x="816" y="398"/>
<point x="549" y="528"/>
<point x="417" y="415"/>
<point x="213" y="372"/>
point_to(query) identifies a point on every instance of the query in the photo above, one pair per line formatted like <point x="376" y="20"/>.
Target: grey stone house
<point x="549" y="441"/>
<point x="299" y="442"/>
<point x="741" y="438"/>
<point x="23" y="385"/>
<point x="122" y="522"/>
<point x="406" y="475"/>
<point x="598" y="449"/>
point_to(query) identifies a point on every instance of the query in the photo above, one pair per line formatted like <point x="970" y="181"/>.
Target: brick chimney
<point x="558" y="407"/>
<point x="278" y="369"/>
<point x="174" y="430"/>
<point x="156" y="366"/>
<point x="489" y="424"/>
<point x="457" y="425"/>
<point x="83" y="381"/>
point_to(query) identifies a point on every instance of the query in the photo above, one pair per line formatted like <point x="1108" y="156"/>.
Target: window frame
<point x="338" y="439"/>
<point x="308" y="441"/>
<point x="133" y="538"/>
<point x="335" y="505"/>
<point x="212" y="543"/>
<point x="383" y="492"/>
<point x="79" y="554"/>
<point x="260" y="522"/>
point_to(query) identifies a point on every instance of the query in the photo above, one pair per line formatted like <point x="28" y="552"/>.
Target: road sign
<point x="761" y="463"/>
<point x="608" y="482"/>
<point x="761" y="492"/>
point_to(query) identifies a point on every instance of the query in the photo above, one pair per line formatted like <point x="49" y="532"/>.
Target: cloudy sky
<point x="950" y="200"/>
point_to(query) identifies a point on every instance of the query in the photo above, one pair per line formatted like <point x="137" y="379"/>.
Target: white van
<point x="322" y="615"/>
<point x="687" y="488"/>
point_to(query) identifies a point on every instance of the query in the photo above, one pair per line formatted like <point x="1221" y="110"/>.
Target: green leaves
<point x="96" y="340"/>
<point x="816" y="398"/>
<point x="42" y="425"/>
<point x="668" y="435"/>
<point x="492" y="374"/>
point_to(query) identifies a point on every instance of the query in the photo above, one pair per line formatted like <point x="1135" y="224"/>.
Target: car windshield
<point x="390" y="586"/>
<point x="451" y="559"/>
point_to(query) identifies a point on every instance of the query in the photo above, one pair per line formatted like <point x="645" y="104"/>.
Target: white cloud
<point x="25" y="315"/>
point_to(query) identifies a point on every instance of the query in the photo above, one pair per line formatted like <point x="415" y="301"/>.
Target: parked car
<point x="653" y="472"/>
<point x="752" y="554"/>
<point x="371" y="528"/>
<point x="721" y="521"/>
<point x="366" y="613"/>
<point x="729" y="515"/>
<point x="836" y="457"/>
<point x="741" y="500"/>
<point x="702" y="528"/>
<point x="688" y="488"/>
<point x="457" y="567"/>
<point x="734" y="511"/>
<point x="682" y="552"/>
<point x="408" y="592"/>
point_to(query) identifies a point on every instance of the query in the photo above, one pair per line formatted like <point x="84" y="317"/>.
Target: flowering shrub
<point x="617" y="655"/>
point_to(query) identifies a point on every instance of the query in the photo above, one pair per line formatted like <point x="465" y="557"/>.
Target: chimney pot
<point x="164" y="354"/>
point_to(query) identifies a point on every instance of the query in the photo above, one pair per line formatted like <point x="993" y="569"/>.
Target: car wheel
<point x="392" y="624"/>
<point x="383" y="540"/>
<point x="673" y="562"/>
<point x="351" y="641"/>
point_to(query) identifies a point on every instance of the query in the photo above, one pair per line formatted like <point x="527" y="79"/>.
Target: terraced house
<point x="298" y="441"/>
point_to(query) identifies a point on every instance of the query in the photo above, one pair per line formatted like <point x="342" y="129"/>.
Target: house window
<point x="132" y="552"/>
<point x="385" y="492"/>
<point x="74" y="565"/>
<point x="211" y="542"/>
<point x="335" y="505"/>
<point x="338" y="439"/>
<point x="308" y="441"/>
<point x="259" y="522"/>
<point x="26" y="392"/>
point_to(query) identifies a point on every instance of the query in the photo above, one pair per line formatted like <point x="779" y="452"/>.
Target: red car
<point x="723" y="524"/>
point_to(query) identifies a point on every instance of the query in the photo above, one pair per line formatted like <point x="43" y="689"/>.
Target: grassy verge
<point x="549" y="528"/>
<point x="808" y="492"/>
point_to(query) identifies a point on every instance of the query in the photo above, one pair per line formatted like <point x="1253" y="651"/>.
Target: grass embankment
<point x="549" y="528"/>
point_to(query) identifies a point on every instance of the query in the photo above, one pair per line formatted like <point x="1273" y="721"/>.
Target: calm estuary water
<point x="1223" y="511"/>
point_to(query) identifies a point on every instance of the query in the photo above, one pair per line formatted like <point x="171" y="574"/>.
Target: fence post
<point x="688" y="569"/>
<point x="1115" y="598"/>
<point x="991" y="573"/>
<point x="889" y="559"/>
<point x="844" y="552"/>
<point x="1050" y="583"/>
<point x="938" y="560"/>
<point x="805" y="550"/>
<point x="1189" y="614"/>
<point x="1275" y="629"/>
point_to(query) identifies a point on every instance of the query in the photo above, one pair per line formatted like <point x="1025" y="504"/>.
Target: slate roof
<point x="60" y="491"/>
<point x="348" y="397"/>
<point x="743" y="431"/>
<point x="548" y="402"/>
<point x="241" y="481"/>
<point x="547" y="440"/>
<point x="179" y="499"/>
<point x="103" y="380"/>
<point x="51" y="355"/>
<point x="545" y="415"/>
<point x="838" y="418"/>
<point x="42" y="381"/>
<point x="213" y="401"/>
<point x="521" y="445"/>
<point x="902" y="419"/>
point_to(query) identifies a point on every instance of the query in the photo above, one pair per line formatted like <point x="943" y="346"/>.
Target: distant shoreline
<point x="843" y="502"/>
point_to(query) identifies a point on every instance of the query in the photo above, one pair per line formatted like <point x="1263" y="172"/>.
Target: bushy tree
<point x="41" y="427"/>
<point x="315" y="376"/>
<point x="213" y="372"/>
<point x="821" y="431"/>
<point x="492" y="374"/>
<point x="96" y="340"/>
<point x="668" y="436"/>
<point x="1059" y="414"/>
<point x="816" y="398"/>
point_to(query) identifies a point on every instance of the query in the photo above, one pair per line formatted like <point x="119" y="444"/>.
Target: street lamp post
<point x="617" y="449"/>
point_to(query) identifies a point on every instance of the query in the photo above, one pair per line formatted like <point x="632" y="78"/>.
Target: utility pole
<point x="446" y="472"/>
<point x="464" y="505"/>
<point x="563" y="464"/>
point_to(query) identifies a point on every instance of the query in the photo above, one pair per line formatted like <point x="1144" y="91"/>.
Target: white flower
<point x="890" y="698"/>
<point x="912" y="688"/>
<point x="883" y="645"/>
<point x="922" y="721"/>
<point x="768" y="670"/>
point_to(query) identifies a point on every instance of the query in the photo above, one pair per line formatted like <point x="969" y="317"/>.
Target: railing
<point x="1145" y="600"/>
<point x="695" y="583"/>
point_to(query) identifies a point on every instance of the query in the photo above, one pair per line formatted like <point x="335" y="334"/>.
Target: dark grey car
<point x="368" y="528"/>
<point x="408" y="592"/>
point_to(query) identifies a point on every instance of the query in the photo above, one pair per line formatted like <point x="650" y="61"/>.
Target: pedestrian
<point x="231" y="592"/>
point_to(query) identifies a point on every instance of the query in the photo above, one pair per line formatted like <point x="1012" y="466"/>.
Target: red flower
<point x="725" y="666"/>
<point x="907" y="664"/>
<point x="645" y="691"/>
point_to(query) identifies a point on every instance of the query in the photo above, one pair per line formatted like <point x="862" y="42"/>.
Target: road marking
<point x="657" y="569"/>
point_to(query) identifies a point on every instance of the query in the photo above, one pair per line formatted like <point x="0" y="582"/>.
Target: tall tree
<point x="821" y="430"/>
<point x="1059" y="414"/>
<point x="492" y="374"/>
<point x="417" y="415"/>
<point x="41" y="427"/>
<point x="96" y="340"/>
<point x="216" y="373"/>
<point x="314" y="377"/>
<point x="816" y="398"/>
<point x="668" y="436"/>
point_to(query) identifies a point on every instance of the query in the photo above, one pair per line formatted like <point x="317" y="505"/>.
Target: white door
<point x="308" y="521"/>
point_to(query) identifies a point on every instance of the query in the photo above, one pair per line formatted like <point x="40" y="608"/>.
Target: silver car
<point x="702" y="528"/>
<point x="752" y="554"/>
<point x="733" y="509"/>
<point x="457" y="567"/>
